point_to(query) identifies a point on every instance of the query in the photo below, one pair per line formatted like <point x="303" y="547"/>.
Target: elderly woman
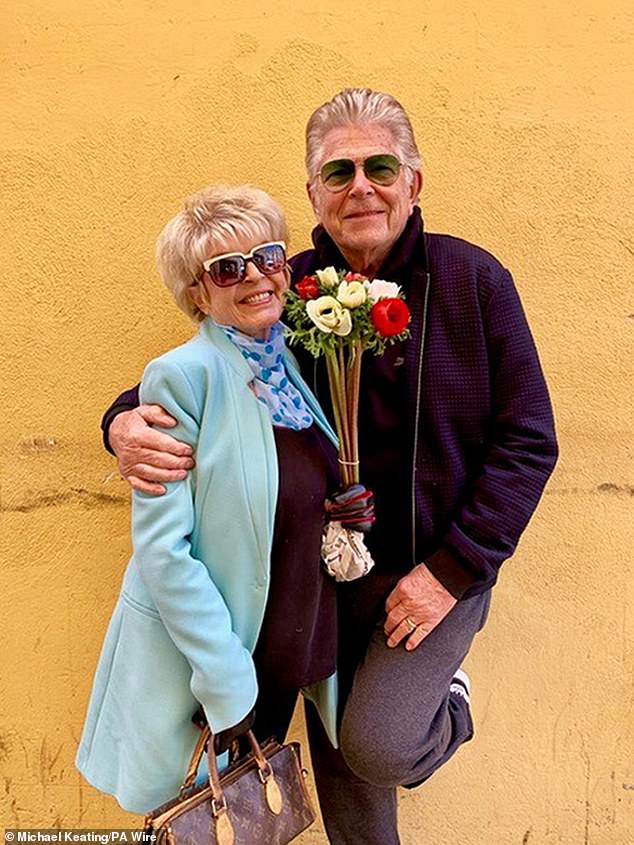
<point x="224" y="604"/>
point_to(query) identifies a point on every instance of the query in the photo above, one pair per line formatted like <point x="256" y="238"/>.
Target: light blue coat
<point x="194" y="592"/>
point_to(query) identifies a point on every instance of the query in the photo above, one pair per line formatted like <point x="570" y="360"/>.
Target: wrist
<point x="110" y="418"/>
<point x="118" y="428"/>
<point x="449" y="570"/>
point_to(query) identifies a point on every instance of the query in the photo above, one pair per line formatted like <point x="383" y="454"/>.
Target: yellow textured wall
<point x="111" y="113"/>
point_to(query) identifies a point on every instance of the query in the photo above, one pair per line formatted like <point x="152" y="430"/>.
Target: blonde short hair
<point x="209" y="220"/>
<point x="361" y="106"/>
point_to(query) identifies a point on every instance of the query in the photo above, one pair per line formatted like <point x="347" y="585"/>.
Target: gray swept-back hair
<point x="208" y="221"/>
<point x="360" y="106"/>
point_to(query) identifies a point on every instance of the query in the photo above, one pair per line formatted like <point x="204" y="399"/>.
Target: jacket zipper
<point x="419" y="381"/>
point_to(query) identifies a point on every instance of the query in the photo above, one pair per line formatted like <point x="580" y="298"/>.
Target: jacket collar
<point x="230" y="352"/>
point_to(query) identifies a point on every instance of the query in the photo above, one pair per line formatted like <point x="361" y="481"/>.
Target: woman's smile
<point x="263" y="297"/>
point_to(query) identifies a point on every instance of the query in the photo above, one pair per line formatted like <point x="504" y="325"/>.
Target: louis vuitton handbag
<point x="260" y="799"/>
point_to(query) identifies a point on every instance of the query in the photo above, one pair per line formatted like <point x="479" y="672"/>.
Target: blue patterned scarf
<point x="272" y="385"/>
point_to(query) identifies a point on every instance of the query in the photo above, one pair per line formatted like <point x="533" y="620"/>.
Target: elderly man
<point x="457" y="442"/>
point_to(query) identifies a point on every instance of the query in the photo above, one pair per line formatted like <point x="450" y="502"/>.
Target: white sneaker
<point x="461" y="685"/>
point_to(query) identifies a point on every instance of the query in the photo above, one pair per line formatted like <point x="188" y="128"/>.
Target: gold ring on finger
<point x="410" y="624"/>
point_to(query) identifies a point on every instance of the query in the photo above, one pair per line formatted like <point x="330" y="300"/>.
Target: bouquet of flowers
<point x="340" y="315"/>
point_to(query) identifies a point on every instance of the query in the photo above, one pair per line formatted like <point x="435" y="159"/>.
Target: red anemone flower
<point x="390" y="316"/>
<point x="308" y="288"/>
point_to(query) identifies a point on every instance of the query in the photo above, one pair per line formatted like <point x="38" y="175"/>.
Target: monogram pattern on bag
<point x="252" y="820"/>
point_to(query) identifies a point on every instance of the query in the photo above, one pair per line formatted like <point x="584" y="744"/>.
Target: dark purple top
<point x="297" y="645"/>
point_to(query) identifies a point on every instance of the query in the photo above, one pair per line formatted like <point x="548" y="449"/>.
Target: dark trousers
<point x="398" y="721"/>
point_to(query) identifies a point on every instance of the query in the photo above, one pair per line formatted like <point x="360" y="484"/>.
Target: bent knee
<point x="375" y="760"/>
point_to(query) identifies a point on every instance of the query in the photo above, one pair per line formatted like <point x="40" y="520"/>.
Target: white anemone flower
<point x="328" y="277"/>
<point x="329" y="315"/>
<point x="351" y="294"/>
<point x="378" y="289"/>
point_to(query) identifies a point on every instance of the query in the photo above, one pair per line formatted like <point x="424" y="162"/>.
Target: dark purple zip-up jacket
<point x="484" y="440"/>
<point x="479" y="418"/>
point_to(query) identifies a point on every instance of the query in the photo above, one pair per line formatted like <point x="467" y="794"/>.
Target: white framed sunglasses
<point x="231" y="267"/>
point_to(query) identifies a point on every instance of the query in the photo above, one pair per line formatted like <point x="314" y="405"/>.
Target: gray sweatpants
<point x="398" y="721"/>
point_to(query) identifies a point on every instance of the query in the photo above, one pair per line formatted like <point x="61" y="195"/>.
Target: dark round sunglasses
<point x="382" y="169"/>
<point x="231" y="268"/>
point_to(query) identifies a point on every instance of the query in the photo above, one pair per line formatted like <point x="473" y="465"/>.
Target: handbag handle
<point x="265" y="773"/>
<point x="206" y="741"/>
<point x="197" y="756"/>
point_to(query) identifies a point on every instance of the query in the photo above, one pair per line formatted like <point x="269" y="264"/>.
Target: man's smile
<point x="363" y="214"/>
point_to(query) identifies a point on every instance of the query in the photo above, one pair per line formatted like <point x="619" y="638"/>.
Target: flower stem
<point x="334" y="382"/>
<point x="343" y="392"/>
<point x="354" y="381"/>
